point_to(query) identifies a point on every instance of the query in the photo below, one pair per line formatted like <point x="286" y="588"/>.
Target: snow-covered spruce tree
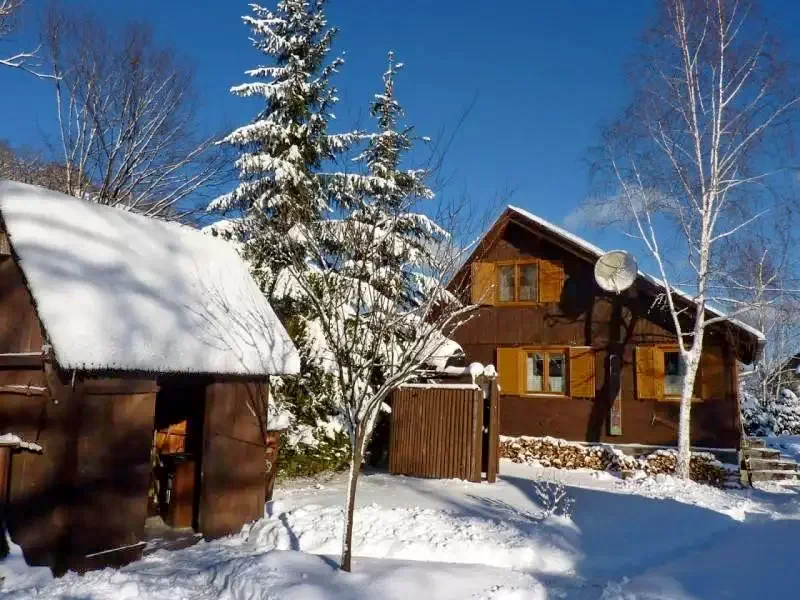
<point x="282" y="152"/>
<point x="375" y="281"/>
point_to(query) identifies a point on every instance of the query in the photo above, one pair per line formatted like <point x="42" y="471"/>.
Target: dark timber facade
<point x="578" y="363"/>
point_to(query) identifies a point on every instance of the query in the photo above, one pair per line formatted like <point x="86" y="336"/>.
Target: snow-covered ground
<point x="625" y="540"/>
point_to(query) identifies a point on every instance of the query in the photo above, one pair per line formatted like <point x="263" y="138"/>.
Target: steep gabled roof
<point x="585" y="249"/>
<point x="119" y="291"/>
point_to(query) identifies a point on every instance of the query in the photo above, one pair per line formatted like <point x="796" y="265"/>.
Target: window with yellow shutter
<point x="528" y="281"/>
<point x="660" y="374"/>
<point x="483" y="283"/>
<point x="552" y="371"/>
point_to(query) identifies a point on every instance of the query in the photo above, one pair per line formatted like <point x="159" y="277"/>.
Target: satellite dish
<point x="615" y="271"/>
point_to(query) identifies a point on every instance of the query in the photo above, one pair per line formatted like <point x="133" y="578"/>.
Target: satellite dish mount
<point x="615" y="271"/>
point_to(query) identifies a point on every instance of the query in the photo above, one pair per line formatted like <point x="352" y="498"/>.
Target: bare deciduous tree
<point x="9" y="10"/>
<point x="126" y="116"/>
<point x="690" y="161"/>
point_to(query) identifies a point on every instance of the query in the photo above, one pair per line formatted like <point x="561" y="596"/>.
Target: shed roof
<point x="119" y="291"/>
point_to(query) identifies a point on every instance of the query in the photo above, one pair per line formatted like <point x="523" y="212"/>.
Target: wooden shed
<point x="137" y="354"/>
<point x="445" y="430"/>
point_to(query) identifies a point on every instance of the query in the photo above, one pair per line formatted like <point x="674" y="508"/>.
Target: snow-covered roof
<point x="119" y="291"/>
<point x="597" y="252"/>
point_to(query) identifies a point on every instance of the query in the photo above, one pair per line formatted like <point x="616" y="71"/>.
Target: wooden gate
<point x="438" y="431"/>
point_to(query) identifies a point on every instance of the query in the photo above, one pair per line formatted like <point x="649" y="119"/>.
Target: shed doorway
<point x="175" y="459"/>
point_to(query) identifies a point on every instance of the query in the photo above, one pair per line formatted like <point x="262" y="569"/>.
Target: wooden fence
<point x="438" y="431"/>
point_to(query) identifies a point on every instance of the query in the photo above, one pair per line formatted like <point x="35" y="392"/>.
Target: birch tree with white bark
<point x="692" y="156"/>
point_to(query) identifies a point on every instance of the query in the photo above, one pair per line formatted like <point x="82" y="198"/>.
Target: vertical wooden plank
<point x="494" y="437"/>
<point x="432" y="427"/>
<point x="232" y="472"/>
<point x="418" y="461"/>
<point x="452" y="439"/>
<point x="466" y="435"/>
<point x="477" y="433"/>
<point x="436" y="428"/>
<point x="443" y="433"/>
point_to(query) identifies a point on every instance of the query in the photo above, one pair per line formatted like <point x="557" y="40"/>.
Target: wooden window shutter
<point x="649" y="373"/>
<point x="581" y="372"/>
<point x="5" y="248"/>
<point x="509" y="372"/>
<point x="483" y="283"/>
<point x="551" y="280"/>
<point x="712" y="374"/>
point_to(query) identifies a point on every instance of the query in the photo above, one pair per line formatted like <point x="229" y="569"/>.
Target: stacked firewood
<point x="552" y="452"/>
<point x="704" y="466"/>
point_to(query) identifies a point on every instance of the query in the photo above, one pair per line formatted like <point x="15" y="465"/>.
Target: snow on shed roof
<point x="120" y="291"/>
<point x="597" y="252"/>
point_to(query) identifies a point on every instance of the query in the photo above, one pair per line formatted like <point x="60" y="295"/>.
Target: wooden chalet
<point x="581" y="364"/>
<point x="136" y="353"/>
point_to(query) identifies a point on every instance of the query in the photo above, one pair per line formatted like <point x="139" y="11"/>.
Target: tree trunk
<point x="355" y="469"/>
<point x="692" y="362"/>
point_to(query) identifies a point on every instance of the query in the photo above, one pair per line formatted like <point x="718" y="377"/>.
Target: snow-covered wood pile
<point x="120" y="291"/>
<point x="553" y="452"/>
<point x="704" y="466"/>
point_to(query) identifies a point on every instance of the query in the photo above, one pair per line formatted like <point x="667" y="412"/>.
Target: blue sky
<point x="545" y="76"/>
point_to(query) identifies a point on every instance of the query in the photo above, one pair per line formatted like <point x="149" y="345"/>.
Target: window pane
<point x="535" y="370"/>
<point x="528" y="280"/>
<point x="674" y="372"/>
<point x="556" y="366"/>
<point x="506" y="284"/>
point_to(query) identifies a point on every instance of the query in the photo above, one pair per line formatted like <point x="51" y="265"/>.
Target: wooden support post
<point x="5" y="480"/>
<point x="493" y="466"/>
<point x="477" y="436"/>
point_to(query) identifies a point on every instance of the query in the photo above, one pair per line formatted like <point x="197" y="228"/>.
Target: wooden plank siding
<point x="437" y="432"/>
<point x="608" y="324"/>
<point x="233" y="468"/>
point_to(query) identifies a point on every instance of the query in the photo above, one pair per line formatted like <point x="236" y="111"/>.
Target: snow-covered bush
<point x="772" y="415"/>
<point x="554" y="499"/>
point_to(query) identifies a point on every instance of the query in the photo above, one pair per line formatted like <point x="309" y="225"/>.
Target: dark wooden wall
<point x="437" y="432"/>
<point x="586" y="316"/>
<point x="233" y="467"/>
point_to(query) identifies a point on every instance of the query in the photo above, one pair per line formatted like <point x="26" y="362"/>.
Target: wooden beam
<point x="21" y="360"/>
<point x="119" y="386"/>
<point x="28" y="390"/>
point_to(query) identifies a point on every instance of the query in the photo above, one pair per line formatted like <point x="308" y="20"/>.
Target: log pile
<point x="552" y="452"/>
<point x="704" y="466"/>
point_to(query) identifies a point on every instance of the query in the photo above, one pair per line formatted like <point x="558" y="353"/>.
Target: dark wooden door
<point x="233" y="471"/>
